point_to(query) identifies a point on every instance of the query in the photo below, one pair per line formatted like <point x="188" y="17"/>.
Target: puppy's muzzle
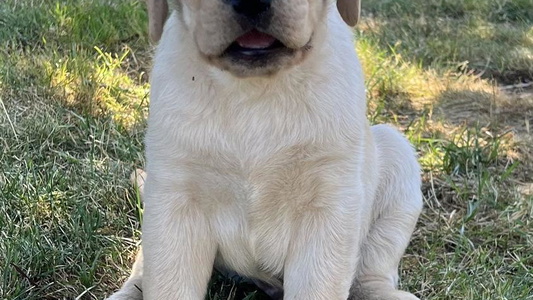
<point x="257" y="47"/>
<point x="254" y="17"/>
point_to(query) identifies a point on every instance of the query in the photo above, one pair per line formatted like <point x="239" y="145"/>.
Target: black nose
<point x="251" y="9"/>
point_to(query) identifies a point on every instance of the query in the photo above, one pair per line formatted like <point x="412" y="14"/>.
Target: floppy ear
<point x="157" y="15"/>
<point x="350" y="11"/>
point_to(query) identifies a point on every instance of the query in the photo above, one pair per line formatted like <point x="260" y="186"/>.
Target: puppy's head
<point x="251" y="37"/>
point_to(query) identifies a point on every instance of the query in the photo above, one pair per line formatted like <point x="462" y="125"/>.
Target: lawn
<point x="456" y="76"/>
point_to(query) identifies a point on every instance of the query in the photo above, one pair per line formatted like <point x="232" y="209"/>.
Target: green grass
<point x="73" y="100"/>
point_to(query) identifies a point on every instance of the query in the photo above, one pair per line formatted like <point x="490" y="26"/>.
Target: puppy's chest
<point x="253" y="172"/>
<point x="254" y="208"/>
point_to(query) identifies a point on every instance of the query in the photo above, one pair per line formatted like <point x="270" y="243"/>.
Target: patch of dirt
<point x="507" y="109"/>
<point x="509" y="77"/>
<point x="526" y="189"/>
<point x="509" y="106"/>
<point x="519" y="109"/>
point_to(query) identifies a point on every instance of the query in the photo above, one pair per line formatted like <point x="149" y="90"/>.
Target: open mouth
<point x="255" y="44"/>
<point x="257" y="53"/>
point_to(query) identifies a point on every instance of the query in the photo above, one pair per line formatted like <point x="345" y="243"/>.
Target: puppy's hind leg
<point x="395" y="211"/>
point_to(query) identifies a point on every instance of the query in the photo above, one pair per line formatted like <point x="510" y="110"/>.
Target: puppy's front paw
<point x="126" y="295"/>
<point x="378" y="291"/>
<point x="132" y="289"/>
<point x="401" y="295"/>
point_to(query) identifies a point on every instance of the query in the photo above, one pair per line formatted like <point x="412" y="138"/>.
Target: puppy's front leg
<point x="322" y="256"/>
<point x="178" y="247"/>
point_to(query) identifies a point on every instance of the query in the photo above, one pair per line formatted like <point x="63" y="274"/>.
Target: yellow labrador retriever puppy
<point x="260" y="158"/>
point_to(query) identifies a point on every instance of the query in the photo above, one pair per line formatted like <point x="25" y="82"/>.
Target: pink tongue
<point x="255" y="40"/>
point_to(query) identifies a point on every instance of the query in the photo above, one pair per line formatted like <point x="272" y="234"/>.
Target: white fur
<point x="274" y="177"/>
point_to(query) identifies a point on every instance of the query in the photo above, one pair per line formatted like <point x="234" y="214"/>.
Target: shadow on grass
<point x="493" y="39"/>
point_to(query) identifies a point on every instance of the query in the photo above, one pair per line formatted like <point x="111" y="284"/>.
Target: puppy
<point x="261" y="160"/>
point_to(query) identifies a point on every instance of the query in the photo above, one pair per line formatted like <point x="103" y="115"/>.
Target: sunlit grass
<point x="101" y="86"/>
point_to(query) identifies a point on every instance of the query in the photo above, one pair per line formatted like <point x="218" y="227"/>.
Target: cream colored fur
<point x="279" y="178"/>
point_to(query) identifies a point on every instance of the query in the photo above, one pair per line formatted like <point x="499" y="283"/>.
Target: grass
<point x="452" y="74"/>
